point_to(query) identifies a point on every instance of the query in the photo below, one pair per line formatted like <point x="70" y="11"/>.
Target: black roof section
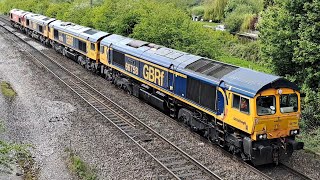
<point x="211" y="68"/>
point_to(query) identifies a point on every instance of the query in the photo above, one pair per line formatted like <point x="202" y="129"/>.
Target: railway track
<point x="294" y="172"/>
<point x="175" y="161"/>
<point x="284" y="171"/>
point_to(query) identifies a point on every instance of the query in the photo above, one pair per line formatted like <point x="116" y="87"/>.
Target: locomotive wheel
<point x="127" y="90"/>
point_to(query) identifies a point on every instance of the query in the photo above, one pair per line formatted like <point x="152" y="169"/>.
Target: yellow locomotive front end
<point x="276" y="123"/>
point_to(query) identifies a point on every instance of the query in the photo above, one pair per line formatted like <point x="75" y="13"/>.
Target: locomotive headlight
<point x="294" y="132"/>
<point x="261" y="136"/>
<point x="265" y="136"/>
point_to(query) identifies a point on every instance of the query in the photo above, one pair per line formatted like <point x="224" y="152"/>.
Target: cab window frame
<point x="237" y="104"/>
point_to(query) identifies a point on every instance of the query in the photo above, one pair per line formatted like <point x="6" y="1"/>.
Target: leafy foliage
<point x="198" y="10"/>
<point x="290" y="43"/>
<point x="311" y="139"/>
<point x="236" y="14"/>
<point x="241" y="14"/>
<point x="247" y="50"/>
<point x="214" y="9"/>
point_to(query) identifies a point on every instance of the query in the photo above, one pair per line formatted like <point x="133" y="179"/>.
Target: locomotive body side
<point x="17" y="18"/>
<point x="76" y="42"/>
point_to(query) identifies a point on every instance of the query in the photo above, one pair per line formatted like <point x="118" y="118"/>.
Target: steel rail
<point x="295" y="172"/>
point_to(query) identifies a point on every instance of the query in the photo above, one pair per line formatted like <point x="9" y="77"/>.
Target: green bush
<point x="241" y="14"/>
<point x="311" y="139"/>
<point x="311" y="113"/>
<point x="247" y="50"/>
<point x="197" y="11"/>
<point x="255" y="6"/>
<point x="214" y="9"/>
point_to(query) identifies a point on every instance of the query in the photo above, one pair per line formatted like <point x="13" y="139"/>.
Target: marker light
<point x="294" y="132"/>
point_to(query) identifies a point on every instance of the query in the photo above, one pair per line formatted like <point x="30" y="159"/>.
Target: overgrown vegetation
<point x="311" y="139"/>
<point x="80" y="168"/>
<point x="7" y="90"/>
<point x="11" y="153"/>
<point x="238" y="15"/>
<point x="162" y="22"/>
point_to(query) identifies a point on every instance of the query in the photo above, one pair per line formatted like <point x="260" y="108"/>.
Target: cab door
<point x="239" y="112"/>
<point x="92" y="52"/>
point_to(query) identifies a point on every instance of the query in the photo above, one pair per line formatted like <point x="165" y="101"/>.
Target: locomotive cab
<point x="276" y="119"/>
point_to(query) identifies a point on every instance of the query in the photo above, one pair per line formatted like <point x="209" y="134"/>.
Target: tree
<point x="214" y="9"/>
<point x="278" y="37"/>
<point x="307" y="51"/>
<point x="290" y="43"/>
<point x="198" y="10"/>
<point x="242" y="14"/>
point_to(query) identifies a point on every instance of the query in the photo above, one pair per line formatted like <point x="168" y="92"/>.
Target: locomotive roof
<point x="240" y="80"/>
<point x="44" y="20"/>
<point x="79" y="31"/>
<point x="249" y="82"/>
<point x="19" y="12"/>
<point x="154" y="53"/>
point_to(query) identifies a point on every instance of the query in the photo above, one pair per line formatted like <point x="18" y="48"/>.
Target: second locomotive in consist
<point x="250" y="113"/>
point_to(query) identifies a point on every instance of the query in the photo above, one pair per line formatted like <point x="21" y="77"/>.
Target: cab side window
<point x="241" y="103"/>
<point x="40" y="29"/>
<point x="93" y="47"/>
<point x="236" y="101"/>
<point x="102" y="49"/>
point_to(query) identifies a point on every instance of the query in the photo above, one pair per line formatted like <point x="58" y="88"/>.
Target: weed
<point x="11" y="153"/>
<point x="27" y="163"/>
<point x="79" y="167"/>
<point x="7" y="90"/>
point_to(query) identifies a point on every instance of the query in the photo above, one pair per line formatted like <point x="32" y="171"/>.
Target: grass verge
<point x="79" y="167"/>
<point x="7" y="90"/>
<point x="311" y="140"/>
<point x="206" y="23"/>
<point x="244" y="63"/>
<point x="11" y="153"/>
